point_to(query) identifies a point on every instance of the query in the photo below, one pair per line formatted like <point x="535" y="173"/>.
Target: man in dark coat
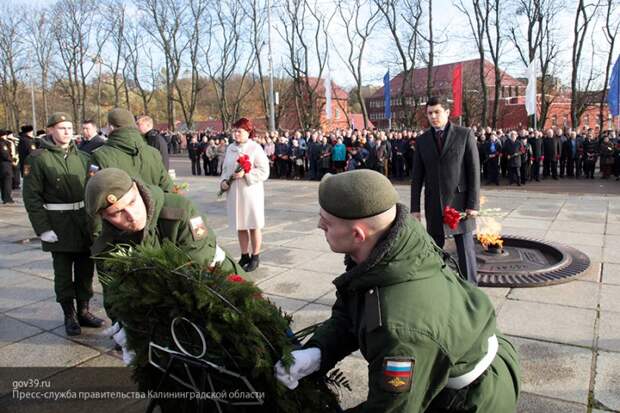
<point x="447" y="164"/>
<point x="570" y="152"/>
<point x="91" y="140"/>
<point x="154" y="138"/>
<point x="26" y="145"/>
<point x="492" y="154"/>
<point x="537" y="155"/>
<point x="513" y="153"/>
<point x="551" y="152"/>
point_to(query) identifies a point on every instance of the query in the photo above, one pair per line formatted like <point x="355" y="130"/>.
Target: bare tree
<point x="610" y="29"/>
<point x="258" y="17"/>
<point x="583" y="16"/>
<point x="358" y="29"/>
<point x="539" y="38"/>
<point x="116" y="25"/>
<point x="478" y="29"/>
<point x="306" y="35"/>
<point x="494" y="39"/>
<point x="12" y="50"/>
<point x="403" y="20"/>
<point x="39" y="34"/>
<point x="76" y="33"/>
<point x="228" y="58"/>
<point x="138" y="56"/>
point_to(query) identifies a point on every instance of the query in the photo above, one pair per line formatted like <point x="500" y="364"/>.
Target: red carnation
<point x="235" y="278"/>
<point x="451" y="217"/>
<point x="244" y="163"/>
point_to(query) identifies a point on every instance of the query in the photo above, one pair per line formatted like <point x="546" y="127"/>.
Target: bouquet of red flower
<point x="243" y="164"/>
<point x="452" y="217"/>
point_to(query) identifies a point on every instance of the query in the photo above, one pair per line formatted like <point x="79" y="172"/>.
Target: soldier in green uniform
<point x="126" y="149"/>
<point x="429" y="337"/>
<point x="53" y="193"/>
<point x="136" y="213"/>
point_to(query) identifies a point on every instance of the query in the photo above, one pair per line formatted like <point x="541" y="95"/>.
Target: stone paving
<point x="568" y="336"/>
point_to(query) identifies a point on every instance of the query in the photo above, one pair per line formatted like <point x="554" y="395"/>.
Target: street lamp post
<point x="34" y="113"/>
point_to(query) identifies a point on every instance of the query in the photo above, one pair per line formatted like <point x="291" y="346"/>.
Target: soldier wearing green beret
<point x="429" y="337"/>
<point x="136" y="213"/>
<point x="126" y="149"/>
<point x="53" y="193"/>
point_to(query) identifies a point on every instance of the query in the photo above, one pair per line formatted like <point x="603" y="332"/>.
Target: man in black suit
<point x="551" y="152"/>
<point x="447" y="164"/>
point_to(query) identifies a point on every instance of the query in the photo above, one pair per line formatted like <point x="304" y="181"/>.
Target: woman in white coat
<point x="245" y="198"/>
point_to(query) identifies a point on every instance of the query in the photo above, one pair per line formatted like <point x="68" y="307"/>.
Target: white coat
<point x="245" y="199"/>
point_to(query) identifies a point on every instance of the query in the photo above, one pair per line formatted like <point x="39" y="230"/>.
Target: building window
<point x="565" y="121"/>
<point x="516" y="90"/>
<point x="586" y="120"/>
<point x="337" y="113"/>
<point x="554" y="120"/>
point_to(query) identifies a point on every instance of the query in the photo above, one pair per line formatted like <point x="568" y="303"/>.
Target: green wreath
<point x="211" y="320"/>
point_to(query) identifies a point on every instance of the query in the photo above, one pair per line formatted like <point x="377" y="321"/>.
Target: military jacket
<point x="404" y="307"/>
<point x="169" y="217"/>
<point x="126" y="149"/>
<point x="55" y="176"/>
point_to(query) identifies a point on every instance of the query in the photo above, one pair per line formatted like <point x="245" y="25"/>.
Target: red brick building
<point x="512" y="113"/>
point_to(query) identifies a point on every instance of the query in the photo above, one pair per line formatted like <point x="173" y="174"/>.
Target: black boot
<point x="72" y="327"/>
<point x="86" y="318"/>
<point x="245" y="260"/>
<point x="253" y="264"/>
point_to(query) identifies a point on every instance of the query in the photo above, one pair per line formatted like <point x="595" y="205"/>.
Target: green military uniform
<point x="54" y="199"/>
<point x="170" y="217"/>
<point x="126" y="149"/>
<point x="429" y="336"/>
<point x="404" y="304"/>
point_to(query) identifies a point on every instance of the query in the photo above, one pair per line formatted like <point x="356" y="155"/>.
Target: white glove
<point x="49" y="236"/>
<point x="121" y="339"/>
<point x="306" y="362"/>
<point x="113" y="329"/>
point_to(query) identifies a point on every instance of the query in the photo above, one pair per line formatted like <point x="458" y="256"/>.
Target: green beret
<point x="121" y="118"/>
<point x="356" y="194"/>
<point x="57" y="118"/>
<point x="105" y="188"/>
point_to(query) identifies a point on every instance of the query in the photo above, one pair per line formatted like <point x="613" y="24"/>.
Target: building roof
<point x="337" y="92"/>
<point x="357" y="121"/>
<point x="442" y="77"/>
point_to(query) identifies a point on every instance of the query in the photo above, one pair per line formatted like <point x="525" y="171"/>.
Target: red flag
<point x="457" y="89"/>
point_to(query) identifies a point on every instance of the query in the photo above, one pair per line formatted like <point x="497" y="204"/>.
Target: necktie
<point x="439" y="136"/>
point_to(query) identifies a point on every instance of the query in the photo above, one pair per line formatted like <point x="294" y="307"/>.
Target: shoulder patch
<point x="173" y="214"/>
<point x="397" y="374"/>
<point x="198" y="228"/>
<point x="36" y="152"/>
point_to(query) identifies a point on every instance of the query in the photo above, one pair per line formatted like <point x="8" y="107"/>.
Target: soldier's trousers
<point x="73" y="276"/>
<point x="6" y="181"/>
<point x="535" y="172"/>
<point x="17" y="180"/>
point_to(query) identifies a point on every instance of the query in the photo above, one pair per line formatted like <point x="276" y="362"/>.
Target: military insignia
<point x="33" y="146"/>
<point x="397" y="374"/>
<point x="198" y="228"/>
<point x="112" y="198"/>
<point x="27" y="170"/>
<point x="92" y="169"/>
<point x="62" y="118"/>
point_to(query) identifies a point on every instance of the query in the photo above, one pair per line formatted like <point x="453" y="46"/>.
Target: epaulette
<point x="36" y="152"/>
<point x="173" y="214"/>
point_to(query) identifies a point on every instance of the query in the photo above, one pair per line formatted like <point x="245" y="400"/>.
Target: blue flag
<point x="387" y="96"/>
<point x="613" y="98"/>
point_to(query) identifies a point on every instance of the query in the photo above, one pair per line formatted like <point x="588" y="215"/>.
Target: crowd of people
<point x="518" y="155"/>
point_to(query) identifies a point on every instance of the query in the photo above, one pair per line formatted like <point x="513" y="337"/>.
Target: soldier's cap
<point x="26" y="129"/>
<point x="356" y="194"/>
<point x="105" y="188"/>
<point x="58" y="117"/>
<point x="121" y="118"/>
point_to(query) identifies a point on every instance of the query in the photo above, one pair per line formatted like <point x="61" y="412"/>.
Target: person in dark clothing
<point x="492" y="152"/>
<point x="513" y="151"/>
<point x="154" y="138"/>
<point x="194" y="152"/>
<point x="91" y="140"/>
<point x="570" y="153"/>
<point x="551" y="152"/>
<point x="6" y="168"/>
<point x="590" y="154"/>
<point x="206" y="162"/>
<point x="26" y="145"/>
<point x="526" y="160"/>
<point x="282" y="152"/>
<point x="535" y="142"/>
<point x="314" y="154"/>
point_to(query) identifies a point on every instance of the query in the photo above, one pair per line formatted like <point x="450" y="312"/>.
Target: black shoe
<point x="72" y="326"/>
<point x="245" y="260"/>
<point x="86" y="318"/>
<point x="253" y="264"/>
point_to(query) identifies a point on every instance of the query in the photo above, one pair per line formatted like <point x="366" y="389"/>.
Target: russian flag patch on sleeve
<point x="397" y="374"/>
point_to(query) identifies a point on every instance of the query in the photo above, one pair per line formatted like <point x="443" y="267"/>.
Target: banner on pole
<point x="530" y="91"/>
<point x="387" y="96"/>
<point x="457" y="90"/>
<point x="613" y="97"/>
<point x="328" y="96"/>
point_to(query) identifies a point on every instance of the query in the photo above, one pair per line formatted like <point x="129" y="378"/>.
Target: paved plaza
<point x="567" y="336"/>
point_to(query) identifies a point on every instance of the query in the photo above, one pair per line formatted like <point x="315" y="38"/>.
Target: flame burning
<point x="488" y="232"/>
